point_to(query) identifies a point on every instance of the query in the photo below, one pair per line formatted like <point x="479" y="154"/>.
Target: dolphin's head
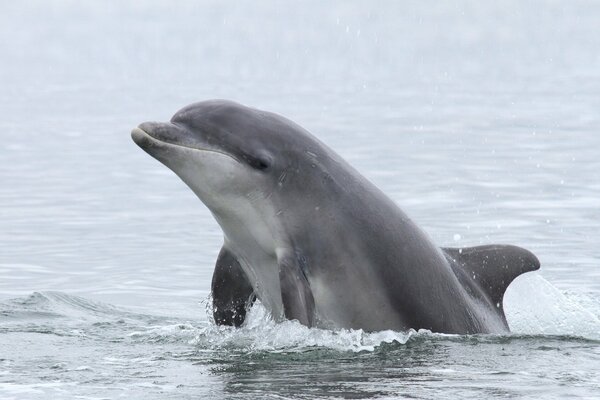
<point x="210" y="146"/>
<point x="235" y="158"/>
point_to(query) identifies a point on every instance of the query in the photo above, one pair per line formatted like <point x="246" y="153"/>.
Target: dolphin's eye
<point x="259" y="163"/>
<point x="262" y="165"/>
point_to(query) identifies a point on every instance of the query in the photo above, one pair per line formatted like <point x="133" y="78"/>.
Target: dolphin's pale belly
<point x="254" y="248"/>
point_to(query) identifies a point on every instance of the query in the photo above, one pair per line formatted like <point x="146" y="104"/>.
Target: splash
<point x="534" y="306"/>
<point x="260" y="332"/>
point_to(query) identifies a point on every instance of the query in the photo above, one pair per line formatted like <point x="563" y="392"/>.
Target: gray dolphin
<point x="314" y="240"/>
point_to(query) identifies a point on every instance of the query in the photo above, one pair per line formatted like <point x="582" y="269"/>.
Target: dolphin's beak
<point x="163" y="132"/>
<point x="141" y="138"/>
<point x="137" y="134"/>
<point x="148" y="134"/>
<point x="153" y="137"/>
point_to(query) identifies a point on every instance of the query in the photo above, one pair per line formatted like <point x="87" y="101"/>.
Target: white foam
<point x="261" y="333"/>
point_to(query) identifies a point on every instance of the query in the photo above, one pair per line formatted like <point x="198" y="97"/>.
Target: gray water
<point x="481" y="120"/>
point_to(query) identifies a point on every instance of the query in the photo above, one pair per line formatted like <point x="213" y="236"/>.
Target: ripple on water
<point x="67" y="339"/>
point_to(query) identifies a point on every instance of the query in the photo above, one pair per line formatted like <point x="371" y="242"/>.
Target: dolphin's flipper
<point x="297" y="298"/>
<point x="232" y="293"/>
<point x="492" y="267"/>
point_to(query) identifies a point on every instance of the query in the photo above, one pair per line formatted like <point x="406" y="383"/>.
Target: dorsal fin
<point x="492" y="267"/>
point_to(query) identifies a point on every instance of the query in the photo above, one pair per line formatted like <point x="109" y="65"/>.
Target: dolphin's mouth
<point x="148" y="139"/>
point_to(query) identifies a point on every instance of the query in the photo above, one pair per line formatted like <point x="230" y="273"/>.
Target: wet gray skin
<point x="314" y="240"/>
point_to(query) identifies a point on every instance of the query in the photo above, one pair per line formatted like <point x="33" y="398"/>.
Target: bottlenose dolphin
<point x="314" y="240"/>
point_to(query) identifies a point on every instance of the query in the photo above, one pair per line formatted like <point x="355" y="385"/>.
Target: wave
<point x="63" y="314"/>
<point x="535" y="310"/>
<point x="59" y="305"/>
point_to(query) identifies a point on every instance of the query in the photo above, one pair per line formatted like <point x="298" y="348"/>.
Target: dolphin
<point x="313" y="239"/>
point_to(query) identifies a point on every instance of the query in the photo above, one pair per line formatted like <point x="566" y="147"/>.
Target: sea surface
<point x="480" y="119"/>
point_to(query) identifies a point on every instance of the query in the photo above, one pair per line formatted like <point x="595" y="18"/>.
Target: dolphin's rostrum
<point x="314" y="240"/>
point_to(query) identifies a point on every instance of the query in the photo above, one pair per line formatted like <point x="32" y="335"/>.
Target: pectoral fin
<point x="231" y="290"/>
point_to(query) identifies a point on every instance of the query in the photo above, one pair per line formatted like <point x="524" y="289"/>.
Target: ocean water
<point x="480" y="119"/>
